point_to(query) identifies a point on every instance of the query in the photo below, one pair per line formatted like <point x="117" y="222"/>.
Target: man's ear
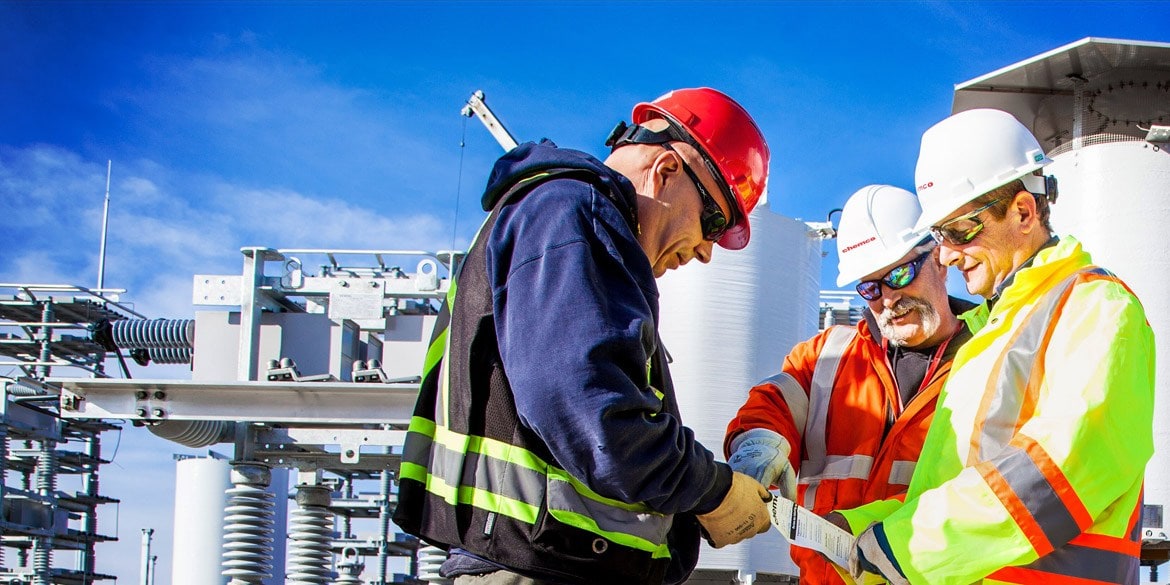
<point x="663" y="168"/>
<point x="1025" y="206"/>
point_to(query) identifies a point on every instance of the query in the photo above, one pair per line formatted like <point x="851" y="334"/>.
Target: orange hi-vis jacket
<point x="837" y="403"/>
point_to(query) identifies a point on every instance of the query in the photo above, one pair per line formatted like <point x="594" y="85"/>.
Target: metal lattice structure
<point x="49" y="467"/>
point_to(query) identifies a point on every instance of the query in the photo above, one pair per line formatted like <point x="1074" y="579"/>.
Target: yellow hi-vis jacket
<point x="1032" y="470"/>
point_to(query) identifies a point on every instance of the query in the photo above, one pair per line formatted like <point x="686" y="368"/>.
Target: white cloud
<point x="140" y="190"/>
<point x="287" y="219"/>
<point x="166" y="225"/>
<point x="35" y="267"/>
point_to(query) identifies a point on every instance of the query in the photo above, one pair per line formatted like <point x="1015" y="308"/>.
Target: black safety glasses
<point x="898" y="277"/>
<point x="712" y="221"/>
<point x="956" y="236"/>
<point x="623" y="134"/>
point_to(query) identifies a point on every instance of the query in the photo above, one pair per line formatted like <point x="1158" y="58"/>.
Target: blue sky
<point x="314" y="124"/>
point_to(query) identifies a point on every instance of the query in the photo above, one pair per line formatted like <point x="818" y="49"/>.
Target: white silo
<point x="727" y="325"/>
<point x="1101" y="110"/>
<point x="200" y="484"/>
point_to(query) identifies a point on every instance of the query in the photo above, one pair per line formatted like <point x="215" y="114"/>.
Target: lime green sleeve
<point x="861" y="517"/>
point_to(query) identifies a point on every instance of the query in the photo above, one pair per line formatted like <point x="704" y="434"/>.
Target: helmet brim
<point x="853" y="272"/>
<point x="737" y="237"/>
<point x="932" y="216"/>
<point x="928" y="220"/>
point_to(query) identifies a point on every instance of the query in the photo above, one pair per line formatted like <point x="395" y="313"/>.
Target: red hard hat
<point x="729" y="139"/>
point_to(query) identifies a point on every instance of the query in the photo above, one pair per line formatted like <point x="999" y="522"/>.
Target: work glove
<point x="741" y="515"/>
<point x="871" y="554"/>
<point x="763" y="455"/>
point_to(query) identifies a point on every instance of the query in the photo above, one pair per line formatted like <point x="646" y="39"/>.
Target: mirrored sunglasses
<point x="898" y="277"/>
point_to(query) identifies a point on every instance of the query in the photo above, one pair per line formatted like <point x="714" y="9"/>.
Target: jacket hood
<point x="531" y="158"/>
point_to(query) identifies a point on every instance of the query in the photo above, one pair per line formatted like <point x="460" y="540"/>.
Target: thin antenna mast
<point x="105" y="227"/>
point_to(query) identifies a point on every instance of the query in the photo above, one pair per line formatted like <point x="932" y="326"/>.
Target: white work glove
<point x="871" y="554"/>
<point x="763" y="455"/>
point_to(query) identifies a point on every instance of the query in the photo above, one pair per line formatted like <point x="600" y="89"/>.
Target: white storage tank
<point x="1092" y="104"/>
<point x="200" y="484"/>
<point x="727" y="325"/>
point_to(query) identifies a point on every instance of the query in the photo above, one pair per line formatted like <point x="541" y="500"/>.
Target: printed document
<point x="803" y="528"/>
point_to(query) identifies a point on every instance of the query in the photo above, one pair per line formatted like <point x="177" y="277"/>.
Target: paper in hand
<point x="804" y="528"/>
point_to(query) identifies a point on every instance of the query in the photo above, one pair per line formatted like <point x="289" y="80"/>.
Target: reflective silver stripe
<point x="810" y="496"/>
<point x="1037" y="495"/>
<point x="901" y="472"/>
<point x="648" y="526"/>
<point x="1003" y="411"/>
<point x="842" y="467"/>
<point x="1019" y="358"/>
<point x="824" y="374"/>
<point x="417" y="448"/>
<point x="1088" y="563"/>
<point x="494" y="475"/>
<point x="530" y="486"/>
<point x="794" y="397"/>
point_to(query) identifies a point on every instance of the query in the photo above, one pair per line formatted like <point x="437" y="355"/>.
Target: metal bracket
<point x="1158" y="134"/>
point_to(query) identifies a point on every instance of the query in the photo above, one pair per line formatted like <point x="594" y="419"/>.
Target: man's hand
<point x="741" y="515"/>
<point x="836" y="519"/>
<point x="871" y="554"/>
<point x="763" y="455"/>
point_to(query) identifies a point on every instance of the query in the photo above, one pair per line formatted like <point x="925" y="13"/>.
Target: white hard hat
<point x="972" y="153"/>
<point x="876" y="230"/>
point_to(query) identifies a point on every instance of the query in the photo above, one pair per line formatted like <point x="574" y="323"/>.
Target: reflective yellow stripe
<point x="471" y="495"/>
<point x="525" y="458"/>
<point x="408" y="470"/>
<point x="562" y="475"/>
<point x="438" y="347"/>
<point x="461" y="443"/>
<point x="657" y="394"/>
<point x="435" y="351"/>
<point x="438" y="456"/>
<point x="586" y="523"/>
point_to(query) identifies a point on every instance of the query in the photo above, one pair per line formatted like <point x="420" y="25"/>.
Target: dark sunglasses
<point x="958" y="237"/>
<point x="898" y="277"/>
<point x="712" y="221"/>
